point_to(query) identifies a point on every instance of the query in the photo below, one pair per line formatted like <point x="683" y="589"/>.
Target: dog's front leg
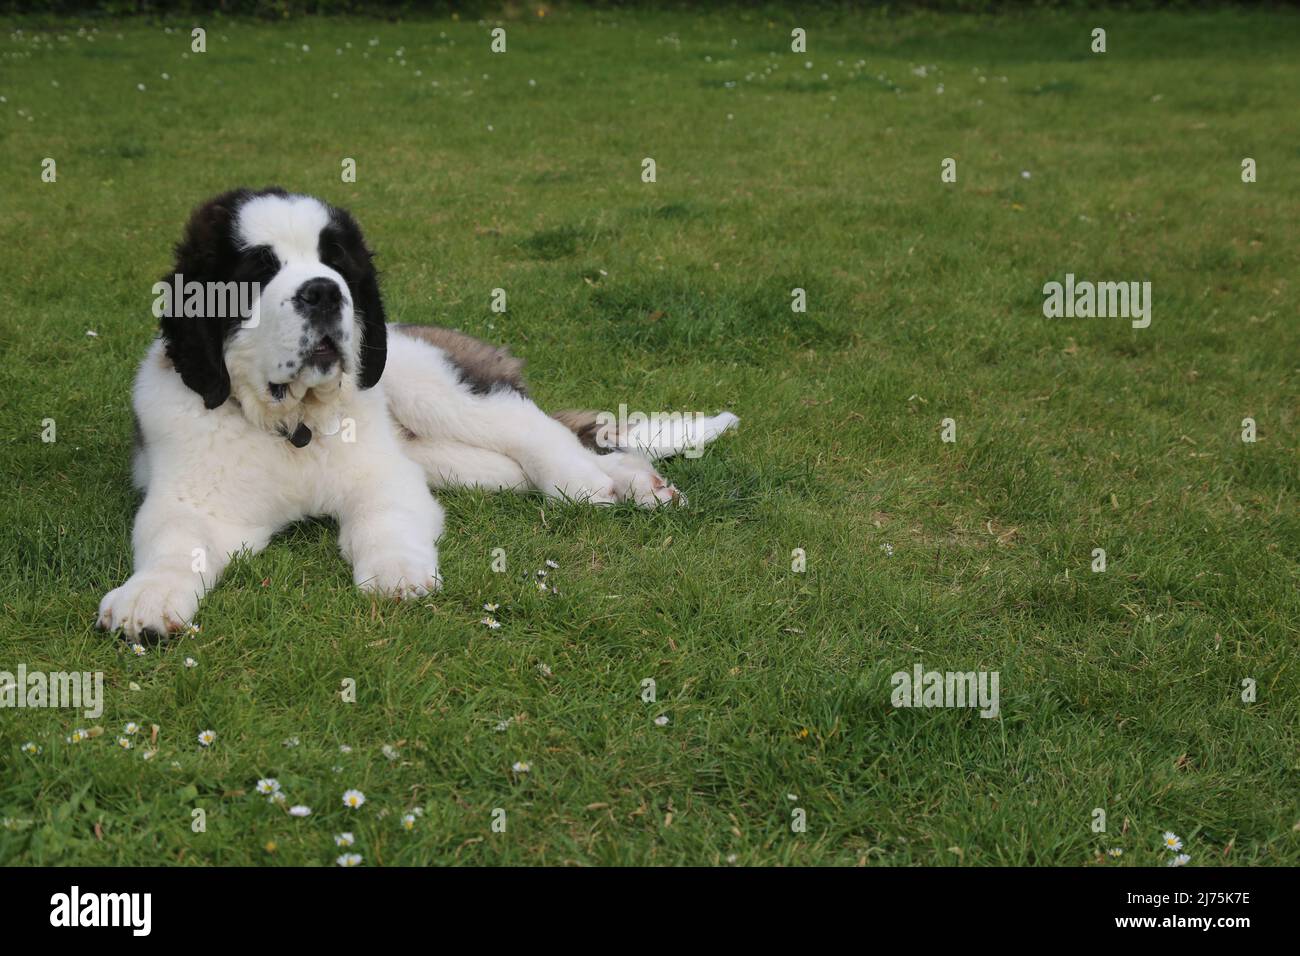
<point x="180" y="553"/>
<point x="388" y="529"/>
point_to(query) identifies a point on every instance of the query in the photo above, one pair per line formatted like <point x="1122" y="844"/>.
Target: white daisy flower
<point x="344" y="749"/>
<point x="490" y="622"/>
<point x="78" y="736"/>
<point x="131" y="728"/>
<point x="31" y="749"/>
<point x="408" y="822"/>
<point x="389" y="751"/>
<point x="344" y="839"/>
<point x="503" y="725"/>
<point x="207" y="738"/>
<point x="1172" y="842"/>
<point x="520" y="766"/>
<point x="1115" y="851"/>
<point x="1180" y="860"/>
<point x="661" y="720"/>
<point x="552" y="564"/>
<point x="490" y="607"/>
<point x="191" y="662"/>
<point x="349" y="859"/>
<point x="138" y="650"/>
<point x="124" y="742"/>
<point x="268" y="785"/>
<point x="300" y="811"/>
<point x="353" y="798"/>
<point x="277" y="797"/>
<point x="290" y="742"/>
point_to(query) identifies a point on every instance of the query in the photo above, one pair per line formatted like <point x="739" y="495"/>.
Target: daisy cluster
<point x="1171" y="842"/>
<point x="538" y="578"/>
<point x="128" y="738"/>
<point x="353" y="800"/>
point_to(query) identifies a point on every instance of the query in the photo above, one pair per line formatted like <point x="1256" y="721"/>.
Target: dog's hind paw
<point x="636" y="480"/>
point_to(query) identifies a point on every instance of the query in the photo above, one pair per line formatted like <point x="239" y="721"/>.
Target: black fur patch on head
<point x="206" y="253"/>
<point x="343" y="248"/>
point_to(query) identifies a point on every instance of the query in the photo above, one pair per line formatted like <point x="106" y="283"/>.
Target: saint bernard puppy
<point x="314" y="405"/>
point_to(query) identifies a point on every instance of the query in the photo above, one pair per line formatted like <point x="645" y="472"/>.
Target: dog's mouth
<point x="325" y="354"/>
<point x="315" y="369"/>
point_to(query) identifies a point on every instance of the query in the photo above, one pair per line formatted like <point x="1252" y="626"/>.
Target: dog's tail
<point x="656" y="436"/>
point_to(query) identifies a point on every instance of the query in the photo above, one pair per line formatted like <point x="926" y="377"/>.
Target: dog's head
<point x="310" y="320"/>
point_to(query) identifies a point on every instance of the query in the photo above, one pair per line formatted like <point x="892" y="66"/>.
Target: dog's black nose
<point x="319" y="296"/>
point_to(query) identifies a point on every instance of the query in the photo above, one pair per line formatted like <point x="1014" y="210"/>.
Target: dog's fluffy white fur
<point x="249" y="423"/>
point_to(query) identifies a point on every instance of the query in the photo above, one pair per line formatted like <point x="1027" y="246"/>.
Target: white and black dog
<point x="246" y="424"/>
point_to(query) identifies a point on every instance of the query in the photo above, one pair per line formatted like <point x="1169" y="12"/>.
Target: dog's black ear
<point x="374" y="334"/>
<point x="344" y="249"/>
<point x="206" y="253"/>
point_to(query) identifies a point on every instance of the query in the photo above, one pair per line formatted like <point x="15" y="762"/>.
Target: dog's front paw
<point x="398" y="578"/>
<point x="151" y="603"/>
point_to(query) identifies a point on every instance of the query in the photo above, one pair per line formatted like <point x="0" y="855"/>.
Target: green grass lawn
<point x="1119" y="690"/>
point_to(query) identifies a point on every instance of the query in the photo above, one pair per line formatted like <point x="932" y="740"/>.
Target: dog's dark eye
<point x="258" y="264"/>
<point x="335" y="255"/>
